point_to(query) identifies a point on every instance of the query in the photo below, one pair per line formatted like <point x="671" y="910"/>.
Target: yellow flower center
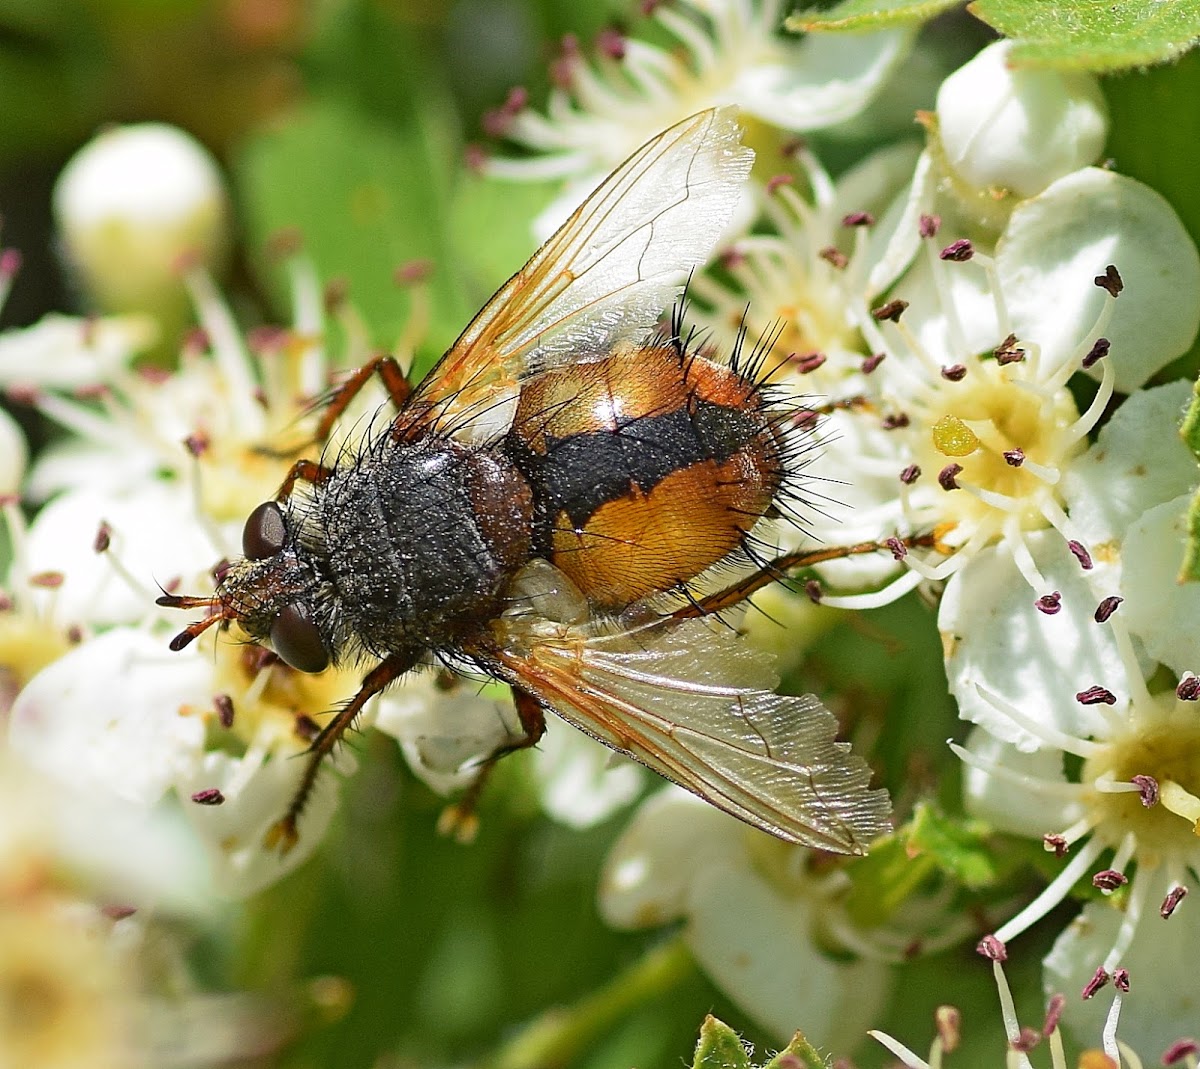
<point x="1166" y="749"/>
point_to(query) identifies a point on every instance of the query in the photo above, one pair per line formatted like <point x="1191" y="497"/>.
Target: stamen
<point x="1132" y="916"/>
<point x="1051" y="736"/>
<point x="1054" y="789"/>
<point x="906" y="1056"/>
<point x="1109" y="1032"/>
<point x="896" y="589"/>
<point x="1106" y="608"/>
<point x="1054" y="892"/>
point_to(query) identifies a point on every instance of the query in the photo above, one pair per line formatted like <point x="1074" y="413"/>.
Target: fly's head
<point x="271" y="593"/>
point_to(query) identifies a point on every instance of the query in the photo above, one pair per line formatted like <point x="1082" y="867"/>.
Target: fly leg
<point x="460" y="820"/>
<point x="339" y="400"/>
<point x="283" y="835"/>
<point x="778" y="569"/>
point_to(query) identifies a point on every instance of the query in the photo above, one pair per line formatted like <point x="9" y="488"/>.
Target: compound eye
<point x="265" y="532"/>
<point x="298" y="641"/>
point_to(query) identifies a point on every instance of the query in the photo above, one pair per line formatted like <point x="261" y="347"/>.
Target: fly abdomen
<point x="646" y="468"/>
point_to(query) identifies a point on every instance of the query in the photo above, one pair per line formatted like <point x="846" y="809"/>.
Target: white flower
<point x="216" y="726"/>
<point x="756" y="917"/>
<point x="1128" y="818"/>
<point x="131" y="205"/>
<point x="1021" y="1042"/>
<point x="727" y="52"/>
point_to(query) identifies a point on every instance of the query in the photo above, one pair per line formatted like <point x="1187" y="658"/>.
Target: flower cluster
<point x="965" y="318"/>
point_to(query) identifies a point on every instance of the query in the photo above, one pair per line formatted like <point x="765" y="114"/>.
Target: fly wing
<point x="606" y="275"/>
<point x="694" y="703"/>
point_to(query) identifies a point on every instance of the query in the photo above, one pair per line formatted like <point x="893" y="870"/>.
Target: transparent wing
<point x="606" y="275"/>
<point x="694" y="703"/>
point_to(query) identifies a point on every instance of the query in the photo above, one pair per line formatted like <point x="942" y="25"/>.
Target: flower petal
<point x="826" y="79"/>
<point x="759" y="946"/>
<point x="1161" y="611"/>
<point x="117" y="715"/>
<point x="1058" y="241"/>
<point x="1137" y="462"/>
<point x="997" y="640"/>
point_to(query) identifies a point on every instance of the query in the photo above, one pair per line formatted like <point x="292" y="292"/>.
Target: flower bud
<point x="133" y="203"/>
<point x="1017" y="129"/>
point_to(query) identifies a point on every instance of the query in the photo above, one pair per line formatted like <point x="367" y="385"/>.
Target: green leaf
<point x="365" y="198"/>
<point x="955" y="844"/>
<point x="1085" y="35"/>
<point x="868" y="14"/>
<point x="720" y="1047"/>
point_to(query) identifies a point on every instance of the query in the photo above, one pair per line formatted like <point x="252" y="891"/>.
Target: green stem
<point x="559" y="1035"/>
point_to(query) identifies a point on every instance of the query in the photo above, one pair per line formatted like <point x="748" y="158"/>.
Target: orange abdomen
<point x="647" y="467"/>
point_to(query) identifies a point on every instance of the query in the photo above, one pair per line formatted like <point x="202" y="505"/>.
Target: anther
<point x="895" y="421"/>
<point x="1097" y="352"/>
<point x="1056" y="844"/>
<point x="813" y="589"/>
<point x="1106" y="608"/>
<point x="47" y="580"/>
<point x="1179" y="1050"/>
<point x="196" y="444"/>
<point x="948" y="1022"/>
<point x="1014" y="458"/>
<point x="1080" y="553"/>
<point x="1108" y="880"/>
<point x="1098" y="980"/>
<point x="777" y="181"/>
<point x="910" y="474"/>
<point x="1174" y="896"/>
<point x="611" y="42"/>
<point x="1008" y="351"/>
<point x="898" y="548"/>
<point x="991" y="948"/>
<point x="223" y="704"/>
<point x="413" y="271"/>
<point x="1054" y="1013"/>
<point x="103" y="538"/>
<point x="947" y="476"/>
<point x="1121" y="980"/>
<point x="1189" y="688"/>
<point x="1148" y="789"/>
<point x="1110" y="281"/>
<point x="871" y="362"/>
<point x="10" y="263"/>
<point x="210" y="796"/>
<point x="858" y="219"/>
<point x="1026" y="1040"/>
<point x="929" y="225"/>
<point x="958" y="251"/>
<point x="834" y="257"/>
<point x="1096" y="695"/>
<point x="890" y="312"/>
<point x="118" y="913"/>
<point x="1050" y="604"/>
<point x="954" y="373"/>
<point x="807" y="362"/>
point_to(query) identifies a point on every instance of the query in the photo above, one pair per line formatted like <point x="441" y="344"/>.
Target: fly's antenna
<point x="218" y="611"/>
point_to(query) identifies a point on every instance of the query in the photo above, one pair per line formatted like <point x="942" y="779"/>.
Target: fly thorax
<point x="421" y="539"/>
